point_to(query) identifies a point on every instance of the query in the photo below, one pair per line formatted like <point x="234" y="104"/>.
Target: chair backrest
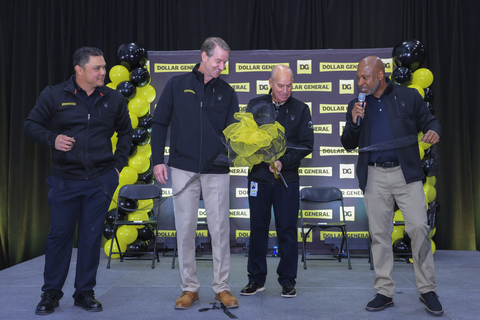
<point x="140" y="191"/>
<point x="321" y="194"/>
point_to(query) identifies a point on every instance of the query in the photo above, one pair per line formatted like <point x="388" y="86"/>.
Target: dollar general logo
<point x="388" y="65"/>
<point x="338" y="235"/>
<point x="166" y="233"/>
<point x="241" y="192"/>
<point x="201" y="233"/>
<point x="341" y="126"/>
<point x="242" y="234"/>
<point x="256" y="67"/>
<point x="166" y="192"/>
<point x="349" y="213"/>
<point x="308" y="156"/>
<point x="304" y="66"/>
<point x="225" y="71"/>
<point x="333" y="108"/>
<point x="242" y="107"/>
<point x="305" y="230"/>
<point x="318" y="171"/>
<point x="337" y="151"/>
<point x="352" y="193"/>
<point x="239" y="171"/>
<point x="318" y="214"/>
<point x="262" y="87"/>
<point x="241" y="87"/>
<point x="347" y="171"/>
<point x="240" y="213"/>
<point x="272" y="234"/>
<point x="202" y="213"/>
<point x="338" y="66"/>
<point x="173" y="67"/>
<point x="315" y="86"/>
<point x="346" y="86"/>
<point x="322" y="128"/>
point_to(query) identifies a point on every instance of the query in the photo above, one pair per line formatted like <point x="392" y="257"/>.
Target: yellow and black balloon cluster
<point x="132" y="79"/>
<point x="408" y="57"/>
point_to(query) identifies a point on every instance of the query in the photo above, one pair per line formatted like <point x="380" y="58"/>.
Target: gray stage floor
<point x="326" y="290"/>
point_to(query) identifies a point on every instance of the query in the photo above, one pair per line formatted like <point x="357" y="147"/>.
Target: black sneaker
<point x="380" y="302"/>
<point x="86" y="300"/>
<point x="288" y="291"/>
<point x="251" y="288"/>
<point x="432" y="305"/>
<point x="48" y="303"/>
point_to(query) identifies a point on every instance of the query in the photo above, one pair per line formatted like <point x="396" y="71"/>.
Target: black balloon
<point x="428" y="95"/>
<point x="400" y="247"/>
<point x="430" y="107"/>
<point x="406" y="238"/>
<point x="430" y="167"/>
<point x="111" y="216"/>
<point x="145" y="233"/>
<point x="402" y="75"/>
<point x="140" y="136"/>
<point x="133" y="150"/>
<point x="132" y="55"/>
<point x="127" y="89"/>
<point x="409" y="53"/>
<point x="137" y="246"/>
<point x="147" y="177"/>
<point x="146" y="122"/>
<point x="127" y="204"/>
<point x="108" y="231"/>
<point x="140" y="77"/>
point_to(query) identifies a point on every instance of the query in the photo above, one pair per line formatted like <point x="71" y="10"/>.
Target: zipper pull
<point x="88" y="118"/>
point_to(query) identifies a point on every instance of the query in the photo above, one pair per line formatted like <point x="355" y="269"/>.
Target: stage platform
<point x="326" y="290"/>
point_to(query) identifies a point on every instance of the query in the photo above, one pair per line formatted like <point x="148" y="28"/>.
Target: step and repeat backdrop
<point x="326" y="81"/>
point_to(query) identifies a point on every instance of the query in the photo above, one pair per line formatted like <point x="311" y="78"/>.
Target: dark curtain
<point x="38" y="38"/>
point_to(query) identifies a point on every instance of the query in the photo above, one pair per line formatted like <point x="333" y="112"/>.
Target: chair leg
<point x="174" y="252"/>
<point x="348" y="251"/>
<point x="155" y="254"/>
<point x="370" y="255"/>
<point x="111" y="245"/>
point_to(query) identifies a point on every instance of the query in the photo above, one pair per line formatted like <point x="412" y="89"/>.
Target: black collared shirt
<point x="88" y="99"/>
<point x="380" y="130"/>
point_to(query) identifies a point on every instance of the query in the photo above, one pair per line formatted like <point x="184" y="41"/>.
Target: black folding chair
<point x="323" y="195"/>
<point x="137" y="192"/>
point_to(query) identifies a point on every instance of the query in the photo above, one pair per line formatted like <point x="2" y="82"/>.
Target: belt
<point x="387" y="164"/>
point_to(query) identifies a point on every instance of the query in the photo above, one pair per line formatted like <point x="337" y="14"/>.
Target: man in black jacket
<point x="76" y="119"/>
<point x="198" y="106"/>
<point x="265" y="191"/>
<point x="391" y="115"/>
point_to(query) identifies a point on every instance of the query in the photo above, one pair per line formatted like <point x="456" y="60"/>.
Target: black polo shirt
<point x="380" y="130"/>
<point x="88" y="99"/>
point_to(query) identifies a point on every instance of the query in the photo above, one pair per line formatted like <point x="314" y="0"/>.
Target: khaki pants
<point x="384" y="187"/>
<point x="216" y="196"/>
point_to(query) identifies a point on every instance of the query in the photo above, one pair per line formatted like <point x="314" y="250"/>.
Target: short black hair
<point x="82" y="56"/>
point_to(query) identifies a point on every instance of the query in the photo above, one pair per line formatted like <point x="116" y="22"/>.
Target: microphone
<point x="361" y="98"/>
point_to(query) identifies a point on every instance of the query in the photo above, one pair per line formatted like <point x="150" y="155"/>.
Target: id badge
<point x="253" y="189"/>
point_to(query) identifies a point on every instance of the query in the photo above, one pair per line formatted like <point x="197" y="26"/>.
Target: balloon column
<point x="131" y="78"/>
<point x="408" y="57"/>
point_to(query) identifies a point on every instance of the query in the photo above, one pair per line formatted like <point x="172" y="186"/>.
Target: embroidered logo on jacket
<point x="69" y="104"/>
<point x="188" y="90"/>
<point x="219" y="97"/>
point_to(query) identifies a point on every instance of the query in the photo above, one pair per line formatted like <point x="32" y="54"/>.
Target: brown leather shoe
<point x="186" y="300"/>
<point x="227" y="299"/>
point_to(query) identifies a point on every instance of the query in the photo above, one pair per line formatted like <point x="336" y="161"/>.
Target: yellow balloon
<point x="112" y="85"/>
<point x="128" y="176"/>
<point x="139" y="215"/>
<point x="432" y="180"/>
<point x="108" y="244"/>
<point x="430" y="192"/>
<point x="126" y="235"/>
<point x="422" y="77"/>
<point x="422" y="144"/>
<point x="138" y="106"/>
<point x="133" y="119"/>
<point x="145" y="150"/>
<point x="432" y="232"/>
<point x="145" y="205"/>
<point x="398" y="216"/>
<point x="114" y="140"/>
<point x="118" y="74"/>
<point x="434" y="247"/>
<point x="397" y="233"/>
<point x="419" y="89"/>
<point x="139" y="163"/>
<point x="422" y="152"/>
<point x="147" y="92"/>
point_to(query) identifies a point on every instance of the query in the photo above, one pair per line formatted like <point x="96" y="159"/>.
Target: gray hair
<point x="210" y="43"/>
<point x="82" y="56"/>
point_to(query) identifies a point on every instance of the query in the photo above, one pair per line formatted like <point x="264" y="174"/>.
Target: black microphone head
<point x="361" y="97"/>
